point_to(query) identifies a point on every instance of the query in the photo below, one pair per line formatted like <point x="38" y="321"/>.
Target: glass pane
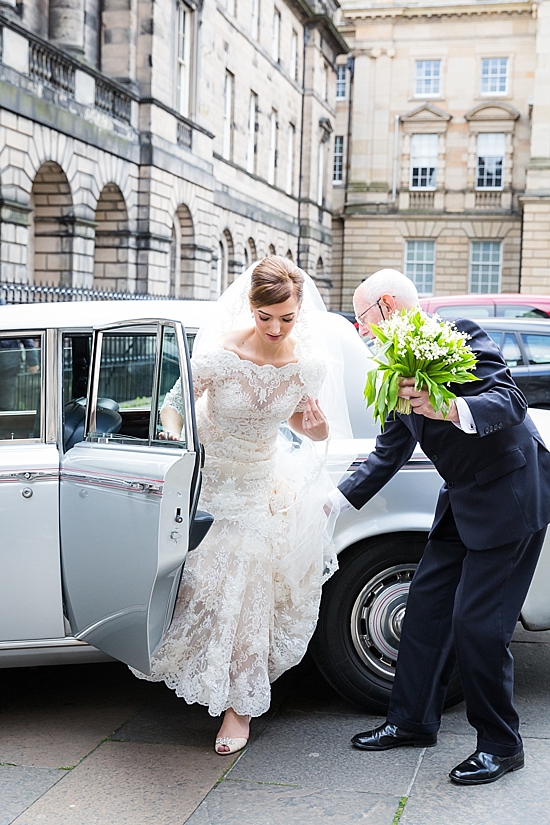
<point x="76" y="367"/>
<point x="468" y="311"/>
<point x="509" y="311"/>
<point x="171" y="408"/>
<point x="496" y="337"/>
<point x="537" y="346"/>
<point x="511" y="350"/>
<point x="126" y="383"/>
<point x="20" y="383"/>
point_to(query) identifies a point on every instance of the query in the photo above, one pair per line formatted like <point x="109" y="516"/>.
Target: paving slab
<point x="125" y="783"/>
<point x="315" y="752"/>
<point x="519" y="798"/>
<point x="63" y="719"/>
<point x="247" y="803"/>
<point x="20" y="787"/>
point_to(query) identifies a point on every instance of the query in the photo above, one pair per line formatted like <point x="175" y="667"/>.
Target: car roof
<point x="487" y="298"/>
<point x="87" y="314"/>
<point x="519" y="324"/>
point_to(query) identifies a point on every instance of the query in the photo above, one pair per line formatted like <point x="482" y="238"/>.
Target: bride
<point x="249" y="597"/>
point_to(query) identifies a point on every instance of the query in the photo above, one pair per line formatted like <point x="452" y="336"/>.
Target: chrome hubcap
<point x="377" y="618"/>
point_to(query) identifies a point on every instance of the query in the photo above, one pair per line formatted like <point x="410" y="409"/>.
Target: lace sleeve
<point x="174" y="398"/>
<point x="201" y="367"/>
<point x="313" y="374"/>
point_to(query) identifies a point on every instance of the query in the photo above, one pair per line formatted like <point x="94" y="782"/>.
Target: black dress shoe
<point x="389" y="736"/>
<point x="481" y="768"/>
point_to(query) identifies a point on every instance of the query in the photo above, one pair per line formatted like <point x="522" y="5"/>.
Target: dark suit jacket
<point x="497" y="481"/>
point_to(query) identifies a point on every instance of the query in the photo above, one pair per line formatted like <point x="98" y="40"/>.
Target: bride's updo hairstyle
<point x="274" y="280"/>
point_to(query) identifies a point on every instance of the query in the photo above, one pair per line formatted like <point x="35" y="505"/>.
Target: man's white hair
<point x="392" y="282"/>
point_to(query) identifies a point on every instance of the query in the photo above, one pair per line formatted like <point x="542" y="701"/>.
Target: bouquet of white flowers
<point x="414" y="345"/>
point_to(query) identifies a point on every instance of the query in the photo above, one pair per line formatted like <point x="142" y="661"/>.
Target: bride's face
<point x="275" y="323"/>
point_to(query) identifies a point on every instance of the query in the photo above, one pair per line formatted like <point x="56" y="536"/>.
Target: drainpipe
<point x="395" y="155"/>
<point x="307" y="34"/>
<point x="351" y="69"/>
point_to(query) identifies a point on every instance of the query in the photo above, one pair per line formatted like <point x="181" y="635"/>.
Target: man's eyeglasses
<point x="376" y="303"/>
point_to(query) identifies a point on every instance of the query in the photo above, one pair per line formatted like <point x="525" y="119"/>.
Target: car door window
<point x="511" y="350"/>
<point x="170" y="422"/>
<point x="537" y="347"/>
<point x="137" y="369"/>
<point x="496" y="337"/>
<point x="468" y="311"/>
<point x="520" y="311"/>
<point x="20" y="387"/>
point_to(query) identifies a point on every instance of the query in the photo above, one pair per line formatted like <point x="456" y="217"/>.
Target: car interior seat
<point x="108" y="419"/>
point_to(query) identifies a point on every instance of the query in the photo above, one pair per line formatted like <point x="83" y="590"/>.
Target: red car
<point x="483" y="305"/>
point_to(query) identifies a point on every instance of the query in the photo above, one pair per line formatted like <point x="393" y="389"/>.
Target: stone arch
<point x="182" y="254"/>
<point x="322" y="282"/>
<point x="233" y="267"/>
<point x="272" y="250"/>
<point x="51" y="219"/>
<point x="253" y="250"/>
<point x="289" y="255"/>
<point x="111" y="250"/>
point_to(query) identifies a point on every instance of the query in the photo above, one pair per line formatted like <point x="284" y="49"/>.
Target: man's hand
<point x="420" y="402"/>
<point x="34" y="369"/>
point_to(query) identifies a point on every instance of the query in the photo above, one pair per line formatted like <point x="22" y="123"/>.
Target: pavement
<point x="92" y="745"/>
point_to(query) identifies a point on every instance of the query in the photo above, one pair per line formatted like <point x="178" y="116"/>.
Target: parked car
<point x="98" y="512"/>
<point x="489" y="305"/>
<point x="525" y="345"/>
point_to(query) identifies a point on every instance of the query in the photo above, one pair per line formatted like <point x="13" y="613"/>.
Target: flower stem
<point x="404" y="406"/>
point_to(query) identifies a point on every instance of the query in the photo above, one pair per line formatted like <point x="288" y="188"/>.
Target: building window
<point x="419" y="265"/>
<point x="338" y="168"/>
<point x="490" y="160"/>
<point x="290" y="159"/>
<point x="494" y="76"/>
<point x="340" y="83"/>
<point x="227" y="133"/>
<point x="294" y="56"/>
<point x="255" y="20"/>
<point x="427" y="78"/>
<point x="424" y="149"/>
<point x="485" y="266"/>
<point x="183" y="58"/>
<point x="272" y="147"/>
<point x="231" y="7"/>
<point x="251" y="149"/>
<point x="321" y="174"/>
<point x="276" y="41"/>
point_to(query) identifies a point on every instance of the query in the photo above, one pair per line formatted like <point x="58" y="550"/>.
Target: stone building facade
<point x="161" y="145"/>
<point x="442" y="145"/>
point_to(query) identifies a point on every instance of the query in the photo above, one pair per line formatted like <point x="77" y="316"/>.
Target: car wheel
<point x="361" y="615"/>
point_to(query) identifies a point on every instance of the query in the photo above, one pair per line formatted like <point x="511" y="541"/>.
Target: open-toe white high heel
<point x="234" y="745"/>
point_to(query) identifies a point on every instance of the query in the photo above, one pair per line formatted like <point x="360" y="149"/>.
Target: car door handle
<point x="30" y="475"/>
<point x="113" y="481"/>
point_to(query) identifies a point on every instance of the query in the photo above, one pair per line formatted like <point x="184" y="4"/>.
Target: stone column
<point x="535" y="261"/>
<point x="66" y="24"/>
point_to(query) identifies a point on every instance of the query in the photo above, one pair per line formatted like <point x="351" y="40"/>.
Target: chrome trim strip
<point x="412" y="464"/>
<point x="66" y="641"/>
<point x="29" y="475"/>
<point x="132" y="485"/>
<point x="50" y="388"/>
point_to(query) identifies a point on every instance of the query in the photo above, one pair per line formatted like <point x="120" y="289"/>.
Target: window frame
<point x="252" y="145"/>
<point x="338" y="160"/>
<point x="276" y="36"/>
<point x="473" y="244"/>
<point x="413" y="242"/>
<point x="424" y="94"/>
<point x="228" y="103"/>
<point x="341" y="81"/>
<point x="272" y="160"/>
<point x="255" y="20"/>
<point x="44" y="365"/>
<point x="290" y="148"/>
<point x="491" y="92"/>
<point x="429" y="187"/>
<point x="184" y="62"/>
<point x="293" y="69"/>
<point x="502" y="156"/>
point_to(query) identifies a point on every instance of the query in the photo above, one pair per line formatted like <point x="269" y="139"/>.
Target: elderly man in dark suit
<point x="482" y="550"/>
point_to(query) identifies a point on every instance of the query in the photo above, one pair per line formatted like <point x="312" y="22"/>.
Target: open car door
<point x="128" y="496"/>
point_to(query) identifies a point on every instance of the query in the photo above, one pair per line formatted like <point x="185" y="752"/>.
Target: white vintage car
<point x="98" y="512"/>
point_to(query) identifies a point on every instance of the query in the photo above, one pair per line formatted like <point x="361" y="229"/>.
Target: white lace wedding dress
<point x="249" y="596"/>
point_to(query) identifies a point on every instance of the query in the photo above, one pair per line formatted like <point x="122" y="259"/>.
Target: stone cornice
<point x="436" y="11"/>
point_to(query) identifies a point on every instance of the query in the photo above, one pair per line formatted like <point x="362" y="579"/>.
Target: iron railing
<point x="17" y="293"/>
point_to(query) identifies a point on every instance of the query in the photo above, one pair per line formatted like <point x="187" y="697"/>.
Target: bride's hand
<point x="314" y="423"/>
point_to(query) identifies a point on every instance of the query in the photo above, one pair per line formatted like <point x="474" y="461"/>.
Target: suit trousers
<point x="464" y="605"/>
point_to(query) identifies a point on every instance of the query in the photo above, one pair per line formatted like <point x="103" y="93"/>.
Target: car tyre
<point x="362" y="608"/>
